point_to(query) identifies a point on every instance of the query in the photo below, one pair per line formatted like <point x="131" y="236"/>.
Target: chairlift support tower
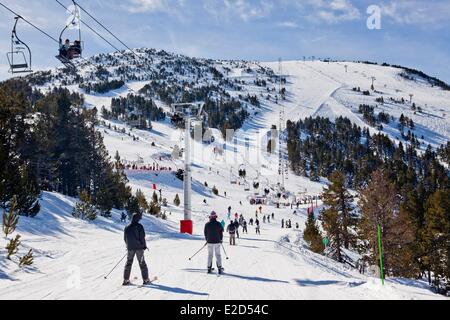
<point x="186" y="225"/>
<point x="281" y="160"/>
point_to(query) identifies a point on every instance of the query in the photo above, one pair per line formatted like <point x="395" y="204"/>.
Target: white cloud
<point x="288" y="24"/>
<point x="426" y="13"/>
<point x="333" y="11"/>
<point x="142" y="6"/>
<point x="245" y="10"/>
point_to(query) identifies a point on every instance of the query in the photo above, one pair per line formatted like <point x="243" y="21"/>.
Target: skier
<point x="123" y="217"/>
<point x="229" y="210"/>
<point x="260" y="209"/>
<point x="214" y="236"/>
<point x="297" y="226"/>
<point x="223" y="224"/>
<point x="268" y="219"/>
<point x="282" y="223"/>
<point x="251" y="221"/>
<point x="273" y="216"/>
<point x="258" y="230"/>
<point x="134" y="236"/>
<point x="231" y="229"/>
<point x="244" y="227"/>
<point x="264" y="219"/>
<point x="236" y="226"/>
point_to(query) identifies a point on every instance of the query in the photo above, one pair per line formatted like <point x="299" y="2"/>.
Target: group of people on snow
<point x="134" y="237"/>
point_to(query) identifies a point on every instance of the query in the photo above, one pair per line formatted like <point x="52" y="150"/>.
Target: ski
<point x="152" y="281"/>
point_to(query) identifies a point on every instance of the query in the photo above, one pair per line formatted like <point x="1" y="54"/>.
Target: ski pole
<point x="224" y="251"/>
<point x="106" y="277"/>
<point x="198" y="252"/>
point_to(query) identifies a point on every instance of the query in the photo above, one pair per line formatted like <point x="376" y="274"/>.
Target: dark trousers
<point x="140" y="257"/>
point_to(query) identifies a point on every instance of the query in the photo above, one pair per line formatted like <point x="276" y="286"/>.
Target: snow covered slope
<point x="73" y="256"/>
<point x="275" y="265"/>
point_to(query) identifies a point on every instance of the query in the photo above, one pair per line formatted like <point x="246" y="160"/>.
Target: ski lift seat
<point x="19" y="66"/>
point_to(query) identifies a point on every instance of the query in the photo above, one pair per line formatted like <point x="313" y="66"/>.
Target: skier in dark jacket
<point x="258" y="227"/>
<point x="231" y="229"/>
<point x="214" y="237"/>
<point x="244" y="227"/>
<point x="134" y="236"/>
<point x="237" y="225"/>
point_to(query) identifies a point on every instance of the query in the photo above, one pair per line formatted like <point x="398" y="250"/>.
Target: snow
<point x="275" y="265"/>
<point x="260" y="267"/>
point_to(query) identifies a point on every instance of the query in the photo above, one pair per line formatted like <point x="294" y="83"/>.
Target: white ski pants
<point x="214" y="248"/>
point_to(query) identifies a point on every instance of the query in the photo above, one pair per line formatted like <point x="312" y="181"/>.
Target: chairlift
<point x="69" y="51"/>
<point x="19" y="58"/>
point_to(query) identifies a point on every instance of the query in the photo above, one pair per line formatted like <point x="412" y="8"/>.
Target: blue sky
<point x="413" y="33"/>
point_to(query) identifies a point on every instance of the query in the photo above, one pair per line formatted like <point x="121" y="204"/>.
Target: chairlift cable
<point x="90" y="28"/>
<point x="31" y="24"/>
<point x="112" y="34"/>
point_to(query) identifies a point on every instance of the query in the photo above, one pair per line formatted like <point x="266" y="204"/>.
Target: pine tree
<point x="332" y="224"/>
<point x="155" y="208"/>
<point x="437" y="236"/>
<point x="11" y="218"/>
<point x="177" y="201"/>
<point x="12" y="247"/>
<point x="143" y="204"/>
<point x="133" y="207"/>
<point x="379" y="205"/>
<point x="337" y="198"/>
<point x="26" y="260"/>
<point x="312" y="235"/>
<point x="84" y="209"/>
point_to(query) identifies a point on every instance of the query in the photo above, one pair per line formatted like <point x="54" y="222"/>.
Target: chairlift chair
<point x="75" y="49"/>
<point x="19" y="58"/>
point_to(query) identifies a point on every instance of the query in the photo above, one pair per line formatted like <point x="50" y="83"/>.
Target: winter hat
<point x="213" y="215"/>
<point x="136" y="217"/>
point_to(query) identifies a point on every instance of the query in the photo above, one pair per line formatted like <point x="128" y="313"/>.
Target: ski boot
<point x="126" y="283"/>
<point x="210" y="270"/>
<point x="147" y="282"/>
<point x="221" y="270"/>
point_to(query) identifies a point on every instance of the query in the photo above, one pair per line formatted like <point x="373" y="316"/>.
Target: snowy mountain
<point x="72" y="256"/>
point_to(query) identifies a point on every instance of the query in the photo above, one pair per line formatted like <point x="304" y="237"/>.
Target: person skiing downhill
<point x="214" y="237"/>
<point x="244" y="227"/>
<point x="231" y="229"/>
<point x="236" y="226"/>
<point x="134" y="236"/>
<point x="258" y="228"/>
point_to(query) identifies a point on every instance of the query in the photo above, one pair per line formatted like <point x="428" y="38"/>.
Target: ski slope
<point x="72" y="256"/>
<point x="260" y="267"/>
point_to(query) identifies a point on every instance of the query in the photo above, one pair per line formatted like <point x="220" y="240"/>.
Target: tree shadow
<point x="312" y="283"/>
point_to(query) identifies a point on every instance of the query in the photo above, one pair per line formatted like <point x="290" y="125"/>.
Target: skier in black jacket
<point x="134" y="236"/>
<point x="214" y="237"/>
